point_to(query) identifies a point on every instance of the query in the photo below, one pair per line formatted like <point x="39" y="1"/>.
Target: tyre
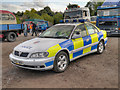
<point x="61" y="62"/>
<point x="11" y="37"/>
<point x="100" y="47"/>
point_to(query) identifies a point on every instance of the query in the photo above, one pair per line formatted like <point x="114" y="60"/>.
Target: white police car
<point x="59" y="45"/>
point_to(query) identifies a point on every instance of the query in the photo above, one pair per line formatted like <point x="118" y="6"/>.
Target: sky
<point x="22" y="5"/>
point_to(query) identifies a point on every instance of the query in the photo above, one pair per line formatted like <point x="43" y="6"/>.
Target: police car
<point x="58" y="46"/>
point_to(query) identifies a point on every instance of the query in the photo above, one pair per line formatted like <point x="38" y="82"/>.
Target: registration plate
<point x="18" y="62"/>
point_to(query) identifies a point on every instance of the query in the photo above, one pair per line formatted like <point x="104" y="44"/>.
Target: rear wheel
<point x="11" y="37"/>
<point x="61" y="62"/>
<point x="100" y="47"/>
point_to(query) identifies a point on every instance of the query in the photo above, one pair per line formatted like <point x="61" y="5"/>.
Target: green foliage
<point x="47" y="17"/>
<point x="44" y="14"/>
<point x="18" y="20"/>
<point x="57" y="17"/>
<point x="93" y="7"/>
<point x="72" y="6"/>
<point x="46" y="10"/>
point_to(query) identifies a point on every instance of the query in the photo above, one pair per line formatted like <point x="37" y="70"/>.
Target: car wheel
<point x="61" y="62"/>
<point x="100" y="47"/>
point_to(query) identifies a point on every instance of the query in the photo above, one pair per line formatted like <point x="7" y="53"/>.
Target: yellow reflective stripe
<point x="79" y="24"/>
<point x="94" y="37"/>
<point x="71" y="56"/>
<point x="53" y="50"/>
<point x="104" y="33"/>
<point x="78" y="43"/>
<point x="86" y="50"/>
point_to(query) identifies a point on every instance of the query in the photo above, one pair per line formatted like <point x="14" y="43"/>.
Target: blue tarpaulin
<point x="110" y="3"/>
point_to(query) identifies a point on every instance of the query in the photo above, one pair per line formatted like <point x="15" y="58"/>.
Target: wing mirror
<point x="77" y="33"/>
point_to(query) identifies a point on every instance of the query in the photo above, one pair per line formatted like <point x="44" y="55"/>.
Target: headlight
<point x="39" y="55"/>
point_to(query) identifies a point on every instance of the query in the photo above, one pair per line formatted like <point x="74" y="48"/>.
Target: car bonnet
<point x="38" y="44"/>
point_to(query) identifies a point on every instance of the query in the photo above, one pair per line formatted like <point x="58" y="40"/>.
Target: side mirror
<point x="77" y="33"/>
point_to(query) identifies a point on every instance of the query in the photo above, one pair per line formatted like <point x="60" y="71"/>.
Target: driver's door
<point x="77" y="39"/>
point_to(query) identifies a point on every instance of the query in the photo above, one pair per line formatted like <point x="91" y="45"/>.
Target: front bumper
<point x="34" y="64"/>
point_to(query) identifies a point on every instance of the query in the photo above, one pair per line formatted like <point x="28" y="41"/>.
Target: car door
<point x="92" y="36"/>
<point x="78" y="42"/>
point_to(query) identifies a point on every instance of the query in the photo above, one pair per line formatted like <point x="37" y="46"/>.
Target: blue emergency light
<point x="61" y="21"/>
<point x="81" y="20"/>
<point x="66" y="21"/>
<point x="74" y="20"/>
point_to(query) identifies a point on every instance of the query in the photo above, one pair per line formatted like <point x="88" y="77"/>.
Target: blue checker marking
<point x="94" y="47"/>
<point x="85" y="42"/>
<point x="49" y="63"/>
<point x="77" y="53"/>
<point x="100" y="34"/>
<point x="67" y="44"/>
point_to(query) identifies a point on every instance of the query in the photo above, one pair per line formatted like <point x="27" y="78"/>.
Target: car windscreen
<point x="73" y="14"/>
<point x="58" y="31"/>
<point x="109" y="12"/>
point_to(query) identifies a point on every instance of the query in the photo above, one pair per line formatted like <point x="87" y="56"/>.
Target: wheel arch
<point x="103" y="42"/>
<point x="64" y="50"/>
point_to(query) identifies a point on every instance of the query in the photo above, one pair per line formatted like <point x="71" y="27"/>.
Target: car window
<point x="58" y="31"/>
<point x="91" y="29"/>
<point x="80" y="31"/>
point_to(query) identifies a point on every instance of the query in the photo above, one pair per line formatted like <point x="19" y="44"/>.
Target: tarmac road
<point x="91" y="71"/>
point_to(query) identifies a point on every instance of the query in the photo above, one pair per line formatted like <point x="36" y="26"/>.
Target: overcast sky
<point x="55" y="5"/>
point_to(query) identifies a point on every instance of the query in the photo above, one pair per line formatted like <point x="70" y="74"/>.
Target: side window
<point x="80" y="31"/>
<point x="83" y="31"/>
<point x="85" y="13"/>
<point x="91" y="29"/>
<point x="5" y="16"/>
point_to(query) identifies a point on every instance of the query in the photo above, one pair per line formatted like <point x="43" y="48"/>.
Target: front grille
<point x="21" y="54"/>
<point x="24" y="54"/>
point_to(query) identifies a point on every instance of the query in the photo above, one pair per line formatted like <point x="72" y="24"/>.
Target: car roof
<point x="75" y="24"/>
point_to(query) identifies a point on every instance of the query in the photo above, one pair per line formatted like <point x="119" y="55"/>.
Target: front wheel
<point x="100" y="47"/>
<point x="61" y="62"/>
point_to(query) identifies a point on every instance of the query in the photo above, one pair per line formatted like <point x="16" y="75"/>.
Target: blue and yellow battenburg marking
<point x="78" y="46"/>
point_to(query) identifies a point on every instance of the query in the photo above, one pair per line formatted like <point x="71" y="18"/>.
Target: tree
<point x="44" y="14"/>
<point x="33" y="10"/>
<point x="93" y="5"/>
<point x="72" y="6"/>
<point x="18" y="20"/>
<point x="46" y="10"/>
<point x="49" y="11"/>
<point x="19" y="13"/>
<point x="57" y="17"/>
<point x="47" y="17"/>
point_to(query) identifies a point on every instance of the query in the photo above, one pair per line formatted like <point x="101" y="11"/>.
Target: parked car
<point x="58" y="46"/>
<point x="42" y="25"/>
